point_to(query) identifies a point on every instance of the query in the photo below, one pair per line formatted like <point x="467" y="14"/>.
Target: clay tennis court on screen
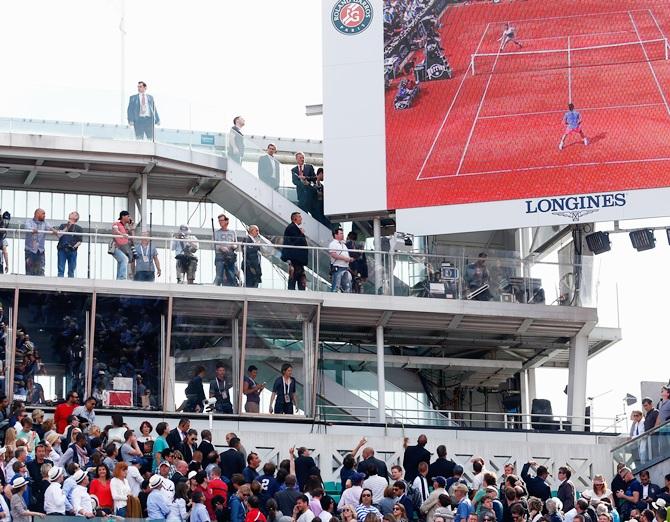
<point x="492" y="131"/>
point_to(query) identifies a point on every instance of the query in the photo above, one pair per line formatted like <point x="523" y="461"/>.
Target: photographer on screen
<point x="69" y="239"/>
<point x="185" y="246"/>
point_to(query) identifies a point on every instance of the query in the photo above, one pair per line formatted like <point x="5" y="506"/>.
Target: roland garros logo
<point x="351" y="16"/>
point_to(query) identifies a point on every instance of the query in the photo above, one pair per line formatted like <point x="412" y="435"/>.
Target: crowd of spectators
<point x="69" y="465"/>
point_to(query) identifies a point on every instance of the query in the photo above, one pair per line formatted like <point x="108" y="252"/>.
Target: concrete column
<point x="381" y="380"/>
<point x="236" y="363"/>
<point x="579" y="349"/>
<point x="144" y="205"/>
<point x="307" y="368"/>
<point x="532" y="388"/>
<point x="525" y="410"/>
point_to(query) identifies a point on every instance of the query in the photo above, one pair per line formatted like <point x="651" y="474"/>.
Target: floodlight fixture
<point x="643" y="239"/>
<point x="599" y="242"/>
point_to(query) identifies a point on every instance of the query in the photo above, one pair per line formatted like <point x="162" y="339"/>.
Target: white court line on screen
<point x="569" y="73"/>
<point x="561" y="111"/>
<point x="479" y="110"/>
<point x="572" y="16"/>
<point x="451" y="106"/>
<point x="545" y="167"/>
<point x="653" y="17"/>
<point x="651" y="67"/>
<point x="573" y="35"/>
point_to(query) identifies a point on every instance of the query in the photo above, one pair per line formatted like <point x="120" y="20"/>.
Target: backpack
<point x="414" y="495"/>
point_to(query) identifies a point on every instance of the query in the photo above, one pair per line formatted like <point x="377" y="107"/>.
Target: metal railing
<point x="645" y="451"/>
<point x="466" y="419"/>
<point x="400" y="273"/>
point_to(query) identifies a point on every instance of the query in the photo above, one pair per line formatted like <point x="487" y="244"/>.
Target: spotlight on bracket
<point x="643" y="239"/>
<point x="599" y="242"/>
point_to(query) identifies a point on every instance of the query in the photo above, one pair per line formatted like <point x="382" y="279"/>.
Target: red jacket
<point x="63" y="411"/>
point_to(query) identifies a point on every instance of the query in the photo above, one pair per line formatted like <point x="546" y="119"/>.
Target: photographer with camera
<point x="69" y="239"/>
<point x="185" y="245"/>
<point x="119" y="246"/>
<point x="34" y="244"/>
<point x="225" y="256"/>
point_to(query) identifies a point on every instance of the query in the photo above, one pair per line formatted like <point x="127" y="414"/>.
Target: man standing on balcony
<point x="142" y="113"/>
<point x="236" y="140"/>
<point x="35" y="240"/>
<point x="268" y="167"/>
<point x="294" y="236"/>
<point x="302" y="176"/>
<point x="225" y="256"/>
<point x="68" y="243"/>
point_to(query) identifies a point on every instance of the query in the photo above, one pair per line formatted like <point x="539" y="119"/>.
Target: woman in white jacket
<point x="120" y="489"/>
<point x="178" y="508"/>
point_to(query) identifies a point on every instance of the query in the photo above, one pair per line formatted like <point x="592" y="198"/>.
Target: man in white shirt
<point x="268" y="167"/>
<point x="134" y="477"/>
<point x="55" y="501"/>
<point x="352" y="495"/>
<point x="82" y="505"/>
<point x="168" y="486"/>
<point x="301" y="511"/>
<point x="375" y="483"/>
<point x="339" y="262"/>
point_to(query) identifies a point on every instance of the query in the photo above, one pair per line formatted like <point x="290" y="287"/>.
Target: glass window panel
<point x="182" y="212"/>
<point x="119" y="205"/>
<point x="51" y="342"/>
<point x="108" y="209"/>
<point x="82" y="207"/>
<point x="45" y="203"/>
<point x="32" y="203"/>
<point x="6" y="317"/>
<point x="70" y="204"/>
<point x="275" y="338"/>
<point x="95" y="208"/>
<point x="127" y="369"/>
<point x="58" y="206"/>
<point x="170" y="213"/>
<point x="203" y="337"/>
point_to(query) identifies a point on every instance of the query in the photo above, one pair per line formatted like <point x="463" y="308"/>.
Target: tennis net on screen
<point x="565" y="58"/>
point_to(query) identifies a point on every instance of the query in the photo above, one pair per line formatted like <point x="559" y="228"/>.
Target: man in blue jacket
<point x="537" y="486"/>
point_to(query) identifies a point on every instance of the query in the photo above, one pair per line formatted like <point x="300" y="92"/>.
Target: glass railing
<point x="241" y="151"/>
<point x="645" y="451"/>
<point x="262" y="264"/>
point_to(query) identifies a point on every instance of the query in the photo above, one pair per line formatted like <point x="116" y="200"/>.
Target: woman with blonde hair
<point x="598" y="491"/>
<point x="348" y="513"/>
<point x="399" y="512"/>
<point x="10" y="440"/>
<point x="120" y="489"/>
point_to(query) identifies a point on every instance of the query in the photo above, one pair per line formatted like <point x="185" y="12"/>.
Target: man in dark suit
<point x="232" y="460"/>
<point x="206" y="448"/>
<point x="400" y="492"/>
<point x="268" y="167"/>
<point x="442" y="467"/>
<point x="369" y="459"/>
<point x="142" y="113"/>
<point x="302" y="176"/>
<point x="414" y="455"/>
<point x="566" y="489"/>
<point x="303" y="465"/>
<point x="537" y="485"/>
<point x="294" y="236"/>
<point x="286" y="498"/>
<point x="650" y="492"/>
<point x="177" y="435"/>
<point x="236" y="140"/>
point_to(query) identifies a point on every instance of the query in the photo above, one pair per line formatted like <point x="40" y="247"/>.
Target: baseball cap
<point x="136" y="460"/>
<point x="357" y="477"/>
<point x="440" y="480"/>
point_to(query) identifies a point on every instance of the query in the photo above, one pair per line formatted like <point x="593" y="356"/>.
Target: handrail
<point x="642" y="436"/>
<point x="505" y="420"/>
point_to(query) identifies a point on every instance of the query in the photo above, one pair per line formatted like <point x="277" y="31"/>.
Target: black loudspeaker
<point x="542" y="417"/>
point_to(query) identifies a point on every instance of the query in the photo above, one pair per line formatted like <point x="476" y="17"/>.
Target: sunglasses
<point x="396" y="509"/>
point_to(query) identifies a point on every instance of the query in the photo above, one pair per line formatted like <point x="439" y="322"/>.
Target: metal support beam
<point x="144" y="205"/>
<point x="532" y="387"/>
<point x="236" y="368"/>
<point x="578" y="359"/>
<point x="379" y="267"/>
<point x="524" y="326"/>
<point x="525" y="409"/>
<point x="381" y="379"/>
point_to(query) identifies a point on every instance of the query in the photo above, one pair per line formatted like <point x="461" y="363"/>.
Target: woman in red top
<point x="101" y="488"/>
<point x="254" y="514"/>
<point x="121" y="250"/>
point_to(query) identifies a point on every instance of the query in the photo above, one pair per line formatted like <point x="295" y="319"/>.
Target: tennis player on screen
<point x="509" y="35"/>
<point x="573" y="125"/>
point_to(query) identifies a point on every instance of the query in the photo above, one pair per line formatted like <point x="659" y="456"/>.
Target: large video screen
<point x="520" y="113"/>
